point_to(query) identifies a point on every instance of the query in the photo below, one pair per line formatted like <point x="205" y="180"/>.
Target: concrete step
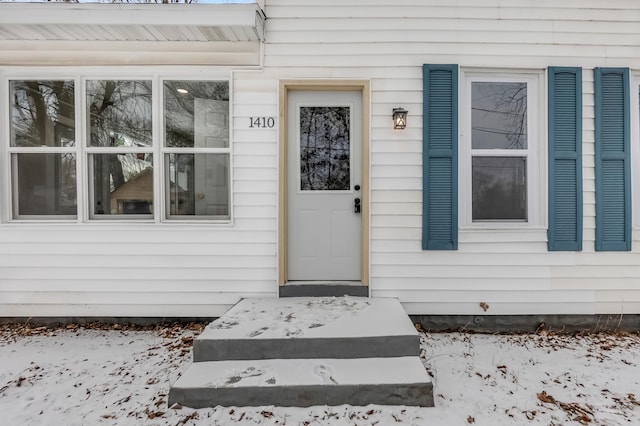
<point x="304" y="382"/>
<point x="323" y="290"/>
<point x="309" y="327"/>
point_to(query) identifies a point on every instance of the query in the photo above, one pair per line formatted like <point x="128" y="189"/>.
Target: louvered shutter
<point x="565" y="159"/>
<point x="612" y="159"/>
<point x="440" y="158"/>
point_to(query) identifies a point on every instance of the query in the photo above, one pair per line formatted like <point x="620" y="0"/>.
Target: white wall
<point x="139" y="268"/>
<point x="184" y="270"/>
<point x="388" y="42"/>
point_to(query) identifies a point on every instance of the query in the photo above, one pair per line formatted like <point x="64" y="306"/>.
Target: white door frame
<point x="285" y="86"/>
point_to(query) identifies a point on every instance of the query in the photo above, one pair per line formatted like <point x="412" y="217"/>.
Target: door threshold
<point x="351" y="283"/>
<point x="323" y="289"/>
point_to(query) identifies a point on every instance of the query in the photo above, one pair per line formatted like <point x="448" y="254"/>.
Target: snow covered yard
<point x="116" y="375"/>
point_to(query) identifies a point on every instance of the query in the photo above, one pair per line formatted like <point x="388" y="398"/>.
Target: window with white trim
<point x="499" y="151"/>
<point x="119" y="147"/>
<point x="114" y="158"/>
<point x="42" y="149"/>
<point x="196" y="149"/>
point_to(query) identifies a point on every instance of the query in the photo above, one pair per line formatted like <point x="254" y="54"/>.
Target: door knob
<point x="356" y="205"/>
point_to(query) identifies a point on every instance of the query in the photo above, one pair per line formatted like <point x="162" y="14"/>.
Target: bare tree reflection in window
<point x="325" y="148"/>
<point x="499" y="115"/>
<point x="119" y="115"/>
<point x="499" y="122"/>
<point x="42" y="117"/>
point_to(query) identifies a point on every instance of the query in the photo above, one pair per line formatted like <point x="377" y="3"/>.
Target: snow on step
<point x="309" y="327"/>
<point x="304" y="382"/>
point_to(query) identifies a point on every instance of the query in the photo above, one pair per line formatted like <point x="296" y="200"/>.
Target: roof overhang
<point x="130" y="34"/>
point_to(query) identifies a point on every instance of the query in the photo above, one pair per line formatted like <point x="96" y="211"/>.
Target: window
<point x="148" y="148"/>
<point x="196" y="149"/>
<point x="499" y="150"/>
<point x="42" y="148"/>
<point x="499" y="154"/>
<point x="119" y="147"/>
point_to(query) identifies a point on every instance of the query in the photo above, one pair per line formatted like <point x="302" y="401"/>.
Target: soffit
<point x="131" y="22"/>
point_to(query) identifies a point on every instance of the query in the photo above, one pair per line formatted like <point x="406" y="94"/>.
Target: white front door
<point x="324" y="187"/>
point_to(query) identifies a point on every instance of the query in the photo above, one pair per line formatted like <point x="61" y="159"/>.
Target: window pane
<point x="198" y="184"/>
<point x="122" y="184"/>
<point x="325" y="156"/>
<point x="499" y="115"/>
<point x="42" y="113"/>
<point x="499" y="188"/>
<point x="119" y="113"/>
<point x="196" y="114"/>
<point x="45" y="184"/>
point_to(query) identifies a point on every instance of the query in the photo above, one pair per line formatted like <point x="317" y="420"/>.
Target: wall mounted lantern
<point x="399" y="118"/>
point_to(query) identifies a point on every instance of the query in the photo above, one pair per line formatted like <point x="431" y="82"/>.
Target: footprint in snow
<point x="326" y="374"/>
<point x="248" y="372"/>
<point x="258" y="331"/>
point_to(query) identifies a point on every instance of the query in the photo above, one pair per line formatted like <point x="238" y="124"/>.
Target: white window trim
<point x="9" y="208"/>
<point x="536" y="152"/>
<point x="79" y="75"/>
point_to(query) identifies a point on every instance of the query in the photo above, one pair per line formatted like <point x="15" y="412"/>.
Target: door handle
<point x="356" y="205"/>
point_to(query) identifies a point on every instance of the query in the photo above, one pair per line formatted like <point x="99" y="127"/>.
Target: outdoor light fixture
<point x="399" y="118"/>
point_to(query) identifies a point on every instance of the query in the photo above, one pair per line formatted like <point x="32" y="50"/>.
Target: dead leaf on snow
<point x="185" y="419"/>
<point x="583" y="419"/>
<point x="583" y="415"/>
<point x="545" y="397"/>
<point x="471" y="420"/>
<point x="153" y="414"/>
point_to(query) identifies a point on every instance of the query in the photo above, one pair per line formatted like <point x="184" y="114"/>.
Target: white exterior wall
<point x="388" y="42"/>
<point x="159" y="270"/>
<point x="141" y="269"/>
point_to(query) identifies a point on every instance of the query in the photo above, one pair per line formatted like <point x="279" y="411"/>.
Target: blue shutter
<point x="565" y="159"/>
<point x="440" y="158"/>
<point x="612" y="159"/>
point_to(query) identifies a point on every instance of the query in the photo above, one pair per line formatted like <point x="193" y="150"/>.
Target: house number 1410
<point x="262" y="122"/>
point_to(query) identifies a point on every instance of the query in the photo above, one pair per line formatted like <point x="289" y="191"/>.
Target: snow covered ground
<point x="106" y="375"/>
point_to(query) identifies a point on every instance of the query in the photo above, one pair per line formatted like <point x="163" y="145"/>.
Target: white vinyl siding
<point x="146" y="269"/>
<point x="153" y="269"/>
<point x="510" y="270"/>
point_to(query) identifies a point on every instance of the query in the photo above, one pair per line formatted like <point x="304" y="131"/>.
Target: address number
<point x="262" y="122"/>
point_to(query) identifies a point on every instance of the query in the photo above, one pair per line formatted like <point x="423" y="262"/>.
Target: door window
<point x="325" y="148"/>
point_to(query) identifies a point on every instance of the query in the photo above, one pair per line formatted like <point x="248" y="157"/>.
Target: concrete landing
<point x="313" y="327"/>
<point x="303" y="383"/>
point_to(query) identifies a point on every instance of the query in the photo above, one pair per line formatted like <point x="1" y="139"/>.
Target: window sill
<point x="502" y="234"/>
